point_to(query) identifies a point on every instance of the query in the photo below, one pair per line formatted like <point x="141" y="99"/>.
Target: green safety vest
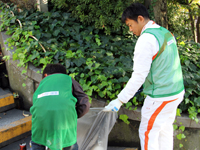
<point x="165" y="75"/>
<point x="54" y="116"/>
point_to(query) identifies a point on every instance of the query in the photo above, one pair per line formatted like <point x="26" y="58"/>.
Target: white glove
<point x="114" y="105"/>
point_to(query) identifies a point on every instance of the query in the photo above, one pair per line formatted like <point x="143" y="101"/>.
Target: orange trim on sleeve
<point x="151" y="122"/>
<point x="155" y="56"/>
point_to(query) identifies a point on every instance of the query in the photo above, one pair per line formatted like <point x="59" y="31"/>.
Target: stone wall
<point x="16" y="79"/>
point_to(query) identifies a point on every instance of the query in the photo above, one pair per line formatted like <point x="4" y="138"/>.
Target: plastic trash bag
<point x="93" y="129"/>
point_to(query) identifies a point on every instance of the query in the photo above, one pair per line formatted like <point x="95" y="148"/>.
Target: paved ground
<point x="15" y="146"/>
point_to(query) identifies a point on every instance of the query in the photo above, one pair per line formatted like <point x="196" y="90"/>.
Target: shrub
<point x="101" y="63"/>
<point x="103" y="14"/>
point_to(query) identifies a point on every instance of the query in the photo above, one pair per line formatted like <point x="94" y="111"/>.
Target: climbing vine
<point x="101" y="63"/>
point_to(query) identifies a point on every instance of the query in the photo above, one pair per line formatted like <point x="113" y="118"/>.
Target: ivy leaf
<point x="66" y="15"/>
<point x="129" y="104"/>
<point x="52" y="41"/>
<point x="101" y="85"/>
<point x="175" y="126"/>
<point x="35" y="55"/>
<point x="79" y="61"/>
<point x="53" y="24"/>
<point x="69" y="54"/>
<point x="187" y="100"/>
<point x="93" y="78"/>
<point x="57" y="55"/>
<point x="24" y="71"/>
<point x="124" y="118"/>
<point x="180" y="136"/>
<point x="12" y="21"/>
<point x="182" y="128"/>
<point x="47" y="35"/>
<point x="37" y="27"/>
<point x="67" y="63"/>
<point x="77" y="28"/>
<point x="74" y="45"/>
<point x="63" y="31"/>
<point x="178" y="112"/>
<point x="43" y="61"/>
<point x="55" y="14"/>
<point x="88" y="38"/>
<point x="23" y="85"/>
<point x="180" y="145"/>
<point x="82" y="75"/>
<point x="85" y="87"/>
<point x="98" y="41"/>
<point x="197" y="101"/>
<point x="102" y="93"/>
<point x="30" y="27"/>
<point x="15" y="56"/>
<point x="37" y="34"/>
<point x="187" y="62"/>
<point x="56" y="32"/>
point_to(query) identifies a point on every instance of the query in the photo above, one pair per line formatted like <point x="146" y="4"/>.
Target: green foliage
<point x="101" y="64"/>
<point x="124" y="118"/>
<point x="179" y="21"/>
<point x="180" y="136"/>
<point x="103" y="14"/>
<point x="190" y="61"/>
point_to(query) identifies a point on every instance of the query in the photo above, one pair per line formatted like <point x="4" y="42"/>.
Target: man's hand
<point x="114" y="105"/>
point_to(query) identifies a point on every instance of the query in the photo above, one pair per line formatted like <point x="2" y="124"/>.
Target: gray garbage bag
<point x="93" y="129"/>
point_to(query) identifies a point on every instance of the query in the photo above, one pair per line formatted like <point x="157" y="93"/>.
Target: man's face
<point x="134" y="26"/>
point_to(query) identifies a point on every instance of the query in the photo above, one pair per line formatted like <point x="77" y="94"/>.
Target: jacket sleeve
<point x="146" y="47"/>
<point x="82" y="105"/>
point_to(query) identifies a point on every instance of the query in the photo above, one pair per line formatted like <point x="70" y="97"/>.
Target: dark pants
<point x="36" y="146"/>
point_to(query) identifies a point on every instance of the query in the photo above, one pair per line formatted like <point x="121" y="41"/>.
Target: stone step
<point x="6" y="100"/>
<point x="14" y="125"/>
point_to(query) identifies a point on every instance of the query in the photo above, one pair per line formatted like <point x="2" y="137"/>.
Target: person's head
<point x="53" y="68"/>
<point x="135" y="16"/>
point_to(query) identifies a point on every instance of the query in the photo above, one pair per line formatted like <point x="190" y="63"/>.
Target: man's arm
<point x="82" y="105"/>
<point x="146" y="47"/>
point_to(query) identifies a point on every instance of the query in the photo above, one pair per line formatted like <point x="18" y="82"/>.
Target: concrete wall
<point x="122" y="134"/>
<point x="42" y="5"/>
<point x="16" y="79"/>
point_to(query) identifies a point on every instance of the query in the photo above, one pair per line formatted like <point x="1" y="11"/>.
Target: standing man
<point x="156" y="66"/>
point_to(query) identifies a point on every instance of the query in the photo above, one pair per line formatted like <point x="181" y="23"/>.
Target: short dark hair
<point x="54" y="68"/>
<point x="135" y="10"/>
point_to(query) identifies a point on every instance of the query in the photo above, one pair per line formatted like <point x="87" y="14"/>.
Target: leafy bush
<point x="179" y="20"/>
<point x="190" y="60"/>
<point x="101" y="63"/>
<point x="103" y="14"/>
